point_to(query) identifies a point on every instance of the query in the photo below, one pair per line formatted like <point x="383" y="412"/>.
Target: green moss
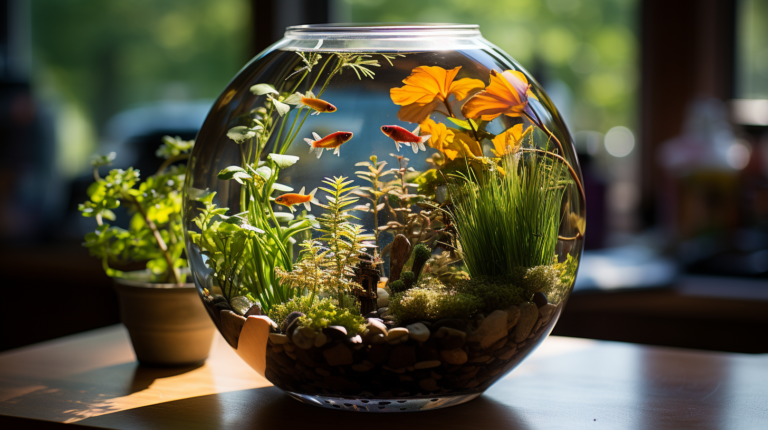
<point x="279" y="312"/>
<point x="432" y="302"/>
<point x="496" y="293"/>
<point x="408" y="278"/>
<point x="324" y="313"/>
<point x="420" y="256"/>
<point x="319" y="314"/>
<point x="545" y="279"/>
<point x="397" y="286"/>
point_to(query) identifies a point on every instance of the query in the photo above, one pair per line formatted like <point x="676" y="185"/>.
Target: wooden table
<point x="91" y="379"/>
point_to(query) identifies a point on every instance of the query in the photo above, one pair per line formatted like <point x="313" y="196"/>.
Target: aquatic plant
<point x="155" y="229"/>
<point x="345" y="240"/>
<point x="375" y="192"/>
<point x="510" y="217"/>
<point x="408" y="278"/>
<point x="420" y="256"/>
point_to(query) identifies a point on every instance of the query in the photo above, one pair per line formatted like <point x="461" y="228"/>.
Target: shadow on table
<point x="270" y="408"/>
<point x="84" y="394"/>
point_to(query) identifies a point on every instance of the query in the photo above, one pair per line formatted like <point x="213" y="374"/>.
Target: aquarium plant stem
<point x="174" y="272"/>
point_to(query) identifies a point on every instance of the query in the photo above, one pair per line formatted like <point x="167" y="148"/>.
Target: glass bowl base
<point x="383" y="405"/>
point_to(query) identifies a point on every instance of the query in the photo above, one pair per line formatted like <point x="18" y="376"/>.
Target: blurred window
<point x="752" y="50"/>
<point x="94" y="59"/>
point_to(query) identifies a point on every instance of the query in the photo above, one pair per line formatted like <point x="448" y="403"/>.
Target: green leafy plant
<point x="510" y="216"/>
<point x="155" y="229"/>
<point x="431" y="301"/>
<point x="324" y="313"/>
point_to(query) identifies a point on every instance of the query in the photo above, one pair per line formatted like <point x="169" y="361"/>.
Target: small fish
<point x="401" y="135"/>
<point x="319" y="106"/>
<point x="332" y="141"/>
<point x="294" y="199"/>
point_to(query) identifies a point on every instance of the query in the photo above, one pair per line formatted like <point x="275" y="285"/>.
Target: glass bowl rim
<point x="382" y="30"/>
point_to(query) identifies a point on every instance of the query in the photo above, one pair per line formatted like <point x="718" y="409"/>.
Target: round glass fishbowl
<point x="384" y="217"/>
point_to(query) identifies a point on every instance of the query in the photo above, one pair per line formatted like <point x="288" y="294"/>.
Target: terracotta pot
<point x="168" y="324"/>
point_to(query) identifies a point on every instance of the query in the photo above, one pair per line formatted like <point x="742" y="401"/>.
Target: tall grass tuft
<point x="509" y="217"/>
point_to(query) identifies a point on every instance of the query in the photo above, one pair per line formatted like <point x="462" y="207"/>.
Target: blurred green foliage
<point x="752" y="51"/>
<point x="590" y="45"/>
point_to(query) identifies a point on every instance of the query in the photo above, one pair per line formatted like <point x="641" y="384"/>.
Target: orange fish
<point x="294" y="199"/>
<point x="332" y="141"/>
<point x="401" y="135"/>
<point x="319" y="106"/>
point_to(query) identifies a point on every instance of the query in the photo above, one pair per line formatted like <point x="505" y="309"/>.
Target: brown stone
<point x="513" y="314"/>
<point x="428" y="384"/>
<point x="402" y="356"/>
<point x="231" y="325"/>
<point x="539" y="299"/>
<point x="450" y="338"/>
<point x="493" y="328"/>
<point x="454" y="356"/>
<point x="338" y="355"/>
<point x="529" y="313"/>
<point x="398" y="255"/>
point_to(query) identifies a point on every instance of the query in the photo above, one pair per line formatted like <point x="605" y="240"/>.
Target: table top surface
<point x="92" y="379"/>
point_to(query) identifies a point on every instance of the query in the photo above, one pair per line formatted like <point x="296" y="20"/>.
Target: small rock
<point x="377" y="339"/>
<point x="493" y="328"/>
<point x="451" y="323"/>
<point x="308" y="332"/>
<point x="383" y="299"/>
<point x="539" y="299"/>
<point x="536" y="326"/>
<point x="278" y="339"/>
<point x="450" y="338"/>
<point x="302" y="341"/>
<point x="427" y="364"/>
<point x="382" y="311"/>
<point x="397" y="335"/>
<point x="303" y="357"/>
<point x="418" y="332"/>
<point x="529" y="313"/>
<point x="288" y="346"/>
<point x="231" y="325"/>
<point x="472" y="384"/>
<point x="454" y="356"/>
<point x="355" y="340"/>
<point x="334" y="332"/>
<point x="372" y="314"/>
<point x="241" y="305"/>
<point x="427" y="353"/>
<point x="507" y="355"/>
<point x="363" y="367"/>
<point x="378" y="354"/>
<point x="499" y="344"/>
<point x="338" y="355"/>
<point x="480" y="359"/>
<point x="546" y="312"/>
<point x="373" y="327"/>
<point x="398" y="255"/>
<point x="322" y="372"/>
<point x="254" y="310"/>
<point x="513" y="314"/>
<point x="288" y="320"/>
<point x="428" y="384"/>
<point x="278" y="348"/>
<point x="320" y="340"/>
<point x="401" y="357"/>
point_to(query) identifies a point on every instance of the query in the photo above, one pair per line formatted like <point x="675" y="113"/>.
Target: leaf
<point x="261" y="89"/>
<point x="280" y="107"/>
<point x="203" y="196"/>
<point x="264" y="171"/>
<point x="242" y="133"/>
<point x="282" y="188"/>
<point x="229" y="172"/>
<point x="464" y="124"/>
<point x="283" y="161"/>
<point x="284" y="216"/>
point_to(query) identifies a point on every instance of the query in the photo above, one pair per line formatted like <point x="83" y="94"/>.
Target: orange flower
<point x="451" y="142"/>
<point x="428" y="86"/>
<point x="507" y="94"/>
<point x="507" y="142"/>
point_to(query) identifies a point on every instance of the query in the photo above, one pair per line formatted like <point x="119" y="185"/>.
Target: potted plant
<point x="163" y="314"/>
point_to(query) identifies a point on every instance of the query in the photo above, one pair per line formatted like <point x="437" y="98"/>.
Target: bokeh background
<point x="667" y="102"/>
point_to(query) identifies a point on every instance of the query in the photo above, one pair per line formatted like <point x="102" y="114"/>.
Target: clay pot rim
<point x="139" y="279"/>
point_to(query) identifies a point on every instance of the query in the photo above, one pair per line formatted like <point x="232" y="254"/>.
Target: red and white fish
<point x="291" y="199"/>
<point x="401" y="135"/>
<point x="332" y="141"/>
<point x="308" y="100"/>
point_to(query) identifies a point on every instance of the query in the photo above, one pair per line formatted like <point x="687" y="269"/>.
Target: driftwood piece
<point x="401" y="251"/>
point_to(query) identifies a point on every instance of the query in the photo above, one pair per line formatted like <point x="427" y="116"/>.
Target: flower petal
<point x="486" y="105"/>
<point x="506" y="142"/>
<point x="461" y="88"/>
<point x="410" y="94"/>
<point x="416" y="112"/>
<point x="440" y="135"/>
<point x="430" y="78"/>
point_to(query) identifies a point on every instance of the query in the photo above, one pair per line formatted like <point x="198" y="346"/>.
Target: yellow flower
<point x="507" y="94"/>
<point x="451" y="142"/>
<point x="428" y="86"/>
<point x="507" y="142"/>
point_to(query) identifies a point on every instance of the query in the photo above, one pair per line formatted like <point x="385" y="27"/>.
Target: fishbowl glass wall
<point x="384" y="218"/>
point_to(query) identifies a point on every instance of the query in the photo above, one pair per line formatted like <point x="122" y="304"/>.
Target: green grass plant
<point x="509" y="217"/>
